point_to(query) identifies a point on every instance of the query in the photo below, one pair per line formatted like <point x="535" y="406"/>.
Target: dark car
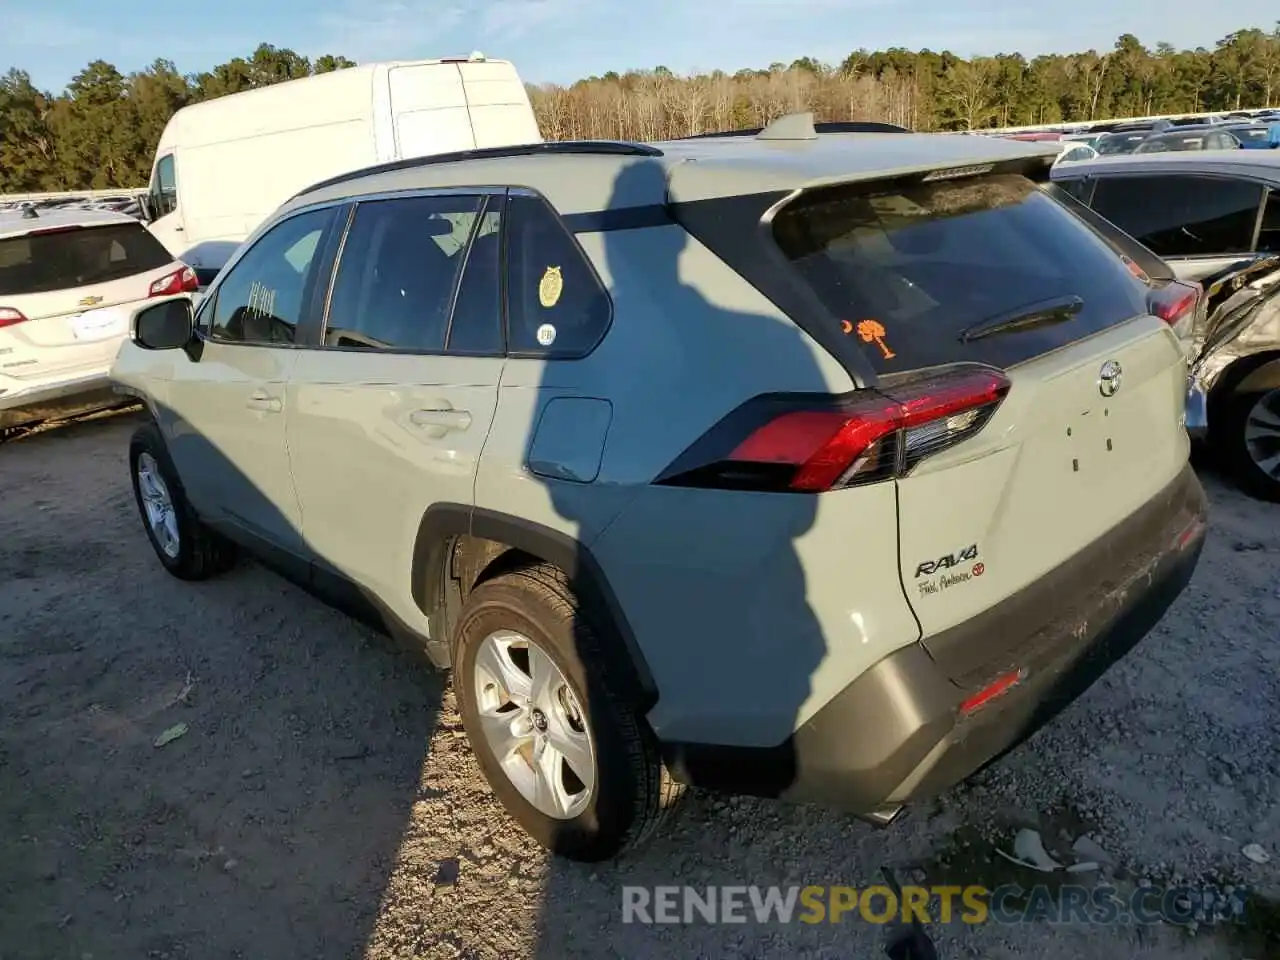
<point x="1121" y="142"/>
<point x="1255" y="136"/>
<point x="1213" y="217"/>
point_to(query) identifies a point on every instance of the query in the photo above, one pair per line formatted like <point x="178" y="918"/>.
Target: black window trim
<point x="209" y="300"/>
<point x="1266" y="186"/>
<point x="485" y="206"/>
<point x="324" y="299"/>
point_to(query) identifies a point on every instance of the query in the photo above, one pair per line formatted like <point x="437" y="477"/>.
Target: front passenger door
<point x="226" y="428"/>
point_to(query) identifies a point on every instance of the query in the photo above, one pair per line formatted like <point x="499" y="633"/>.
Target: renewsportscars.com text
<point x="972" y="904"/>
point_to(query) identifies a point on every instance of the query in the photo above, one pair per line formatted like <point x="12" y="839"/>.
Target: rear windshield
<point x="1251" y="133"/>
<point x="58" y="258"/>
<point x="1121" y="142"/>
<point x="1189" y="141"/>
<point x="907" y="270"/>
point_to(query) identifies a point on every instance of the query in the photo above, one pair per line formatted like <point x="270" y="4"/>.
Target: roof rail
<point x="617" y="148"/>
<point x="835" y="126"/>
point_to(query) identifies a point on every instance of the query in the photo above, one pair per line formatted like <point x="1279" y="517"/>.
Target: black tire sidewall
<point x="1247" y="474"/>
<point x="148" y="440"/>
<point x="602" y="828"/>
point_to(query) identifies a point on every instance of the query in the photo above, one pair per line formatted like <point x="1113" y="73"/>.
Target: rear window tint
<point x="905" y="270"/>
<point x="1121" y="142"/>
<point x="64" y="258"/>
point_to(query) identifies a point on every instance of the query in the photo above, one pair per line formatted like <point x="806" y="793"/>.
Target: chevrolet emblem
<point x="90" y="301"/>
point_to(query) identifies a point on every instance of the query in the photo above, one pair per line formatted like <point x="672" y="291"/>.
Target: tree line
<point x="101" y="131"/>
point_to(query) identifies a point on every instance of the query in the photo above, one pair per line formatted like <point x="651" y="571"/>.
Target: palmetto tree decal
<point x="872" y="331"/>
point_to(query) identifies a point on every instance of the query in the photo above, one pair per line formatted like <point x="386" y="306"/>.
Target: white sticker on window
<point x="546" y="335"/>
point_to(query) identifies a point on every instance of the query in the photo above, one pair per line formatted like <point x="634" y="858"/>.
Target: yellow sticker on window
<point x="550" y="287"/>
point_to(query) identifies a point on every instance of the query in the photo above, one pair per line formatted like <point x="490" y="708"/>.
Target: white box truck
<point x="223" y="165"/>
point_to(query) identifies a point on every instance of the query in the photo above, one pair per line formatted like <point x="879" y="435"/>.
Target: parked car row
<point x="1256" y="131"/>
<point x="126" y="203"/>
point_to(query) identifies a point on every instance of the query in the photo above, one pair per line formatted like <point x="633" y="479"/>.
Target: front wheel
<point x="554" y="737"/>
<point x="1251" y="442"/>
<point x="186" y="547"/>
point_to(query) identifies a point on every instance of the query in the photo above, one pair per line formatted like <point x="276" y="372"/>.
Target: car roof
<point x="13" y="223"/>
<point x="1264" y="164"/>
<point x="590" y="178"/>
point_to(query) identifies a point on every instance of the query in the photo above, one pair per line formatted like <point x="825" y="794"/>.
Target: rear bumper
<point x="21" y="403"/>
<point x="897" y="733"/>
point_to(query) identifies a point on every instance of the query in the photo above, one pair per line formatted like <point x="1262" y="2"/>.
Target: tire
<point x="1238" y="448"/>
<point x="198" y="553"/>
<point x="631" y="790"/>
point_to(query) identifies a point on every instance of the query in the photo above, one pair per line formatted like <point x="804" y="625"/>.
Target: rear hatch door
<point x="75" y="286"/>
<point x="991" y="270"/>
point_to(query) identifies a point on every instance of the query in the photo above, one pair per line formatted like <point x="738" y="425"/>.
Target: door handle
<point x="441" y="420"/>
<point x="263" y="401"/>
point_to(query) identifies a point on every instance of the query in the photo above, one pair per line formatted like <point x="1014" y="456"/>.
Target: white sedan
<point x="1074" y="150"/>
<point x="68" y="281"/>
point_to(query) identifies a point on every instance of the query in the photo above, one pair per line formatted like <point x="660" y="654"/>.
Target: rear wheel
<point x="186" y="547"/>
<point x="1251" y="442"/>
<point x="558" y="743"/>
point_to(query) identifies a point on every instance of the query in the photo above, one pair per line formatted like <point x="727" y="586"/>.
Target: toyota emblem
<point x="1109" y="378"/>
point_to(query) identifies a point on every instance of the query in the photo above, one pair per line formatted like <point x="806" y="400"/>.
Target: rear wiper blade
<point x="1025" y="318"/>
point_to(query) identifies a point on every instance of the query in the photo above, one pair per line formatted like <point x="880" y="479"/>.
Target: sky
<point x="559" y="41"/>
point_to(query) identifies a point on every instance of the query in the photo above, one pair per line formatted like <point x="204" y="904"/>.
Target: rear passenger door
<point x="391" y="406"/>
<point x="1199" y="224"/>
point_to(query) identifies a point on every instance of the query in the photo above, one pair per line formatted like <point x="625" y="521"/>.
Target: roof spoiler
<point x="801" y="126"/>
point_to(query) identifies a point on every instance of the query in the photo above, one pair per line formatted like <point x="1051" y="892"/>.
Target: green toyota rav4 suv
<point x="823" y="466"/>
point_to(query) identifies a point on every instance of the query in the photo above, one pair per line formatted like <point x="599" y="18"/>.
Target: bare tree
<point x="970" y="91"/>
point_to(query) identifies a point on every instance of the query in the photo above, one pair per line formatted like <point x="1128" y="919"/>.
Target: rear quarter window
<point x="906" y="269"/>
<point x="64" y="258"/>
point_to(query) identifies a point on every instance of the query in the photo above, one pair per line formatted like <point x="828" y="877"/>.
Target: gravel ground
<point x="324" y="803"/>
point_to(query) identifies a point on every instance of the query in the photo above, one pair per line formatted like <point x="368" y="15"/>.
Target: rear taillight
<point x="807" y="444"/>
<point x="9" y="316"/>
<point x="180" y="281"/>
<point x="1175" y="303"/>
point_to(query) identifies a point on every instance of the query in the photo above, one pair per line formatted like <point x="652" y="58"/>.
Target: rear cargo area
<point x="926" y="273"/>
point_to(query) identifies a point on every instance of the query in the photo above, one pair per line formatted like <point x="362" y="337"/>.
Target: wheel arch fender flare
<point x="443" y="523"/>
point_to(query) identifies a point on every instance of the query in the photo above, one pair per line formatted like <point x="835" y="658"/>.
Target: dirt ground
<point x="323" y="802"/>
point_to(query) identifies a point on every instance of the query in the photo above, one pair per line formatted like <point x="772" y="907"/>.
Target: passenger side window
<point x="164" y="187"/>
<point x="263" y="298"/>
<point x="556" y="306"/>
<point x="401" y="263"/>
<point x="1182" y="216"/>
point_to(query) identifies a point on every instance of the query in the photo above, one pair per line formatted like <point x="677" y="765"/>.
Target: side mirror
<point x="144" y="206"/>
<point x="164" y="325"/>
